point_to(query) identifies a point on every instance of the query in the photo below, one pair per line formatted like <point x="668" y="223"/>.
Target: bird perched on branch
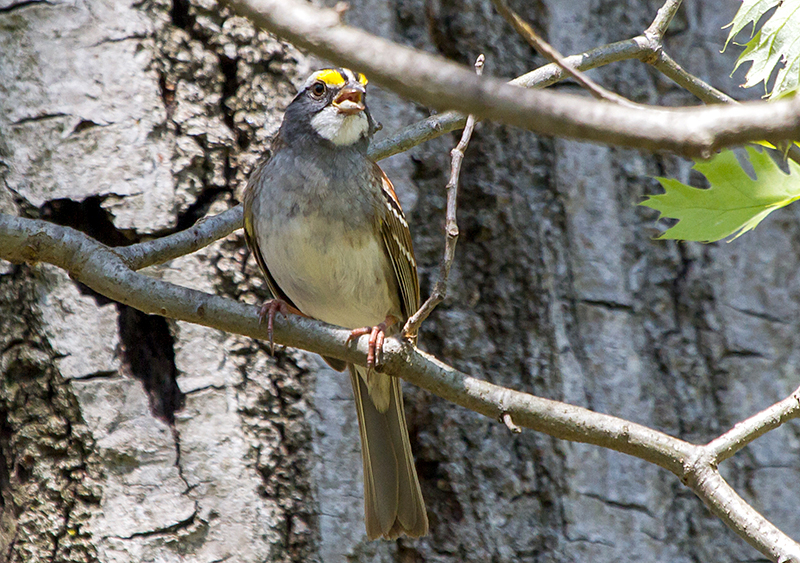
<point x="331" y="239"/>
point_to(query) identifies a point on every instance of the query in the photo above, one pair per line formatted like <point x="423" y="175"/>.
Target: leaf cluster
<point x="735" y="203"/>
<point x="777" y="42"/>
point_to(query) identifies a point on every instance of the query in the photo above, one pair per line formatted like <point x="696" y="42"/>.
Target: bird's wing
<point x="397" y="240"/>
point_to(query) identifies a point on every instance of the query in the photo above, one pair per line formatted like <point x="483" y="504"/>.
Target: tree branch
<point x="703" y="477"/>
<point x="102" y="269"/>
<point x="672" y="70"/>
<point x="201" y="234"/>
<point x="748" y="430"/>
<point x="662" y="20"/>
<point x="441" y="84"/>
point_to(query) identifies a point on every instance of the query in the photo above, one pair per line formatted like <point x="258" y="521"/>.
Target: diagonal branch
<point x="439" y="124"/>
<point x="201" y="234"/>
<point x="99" y="267"/>
<point x="672" y="70"/>
<point x="754" y="427"/>
<point x="662" y="20"/>
<point x="102" y="269"/>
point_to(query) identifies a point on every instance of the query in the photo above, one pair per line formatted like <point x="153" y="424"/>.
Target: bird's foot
<point x="268" y="311"/>
<point x="377" y="334"/>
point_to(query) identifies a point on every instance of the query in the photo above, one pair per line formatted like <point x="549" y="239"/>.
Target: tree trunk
<point x="128" y="438"/>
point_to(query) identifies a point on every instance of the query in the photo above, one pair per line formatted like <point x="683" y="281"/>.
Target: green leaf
<point x="733" y="205"/>
<point x="776" y="43"/>
<point x="750" y="12"/>
<point x="788" y="79"/>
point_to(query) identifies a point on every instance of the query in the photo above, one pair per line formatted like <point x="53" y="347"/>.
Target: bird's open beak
<point x="350" y="100"/>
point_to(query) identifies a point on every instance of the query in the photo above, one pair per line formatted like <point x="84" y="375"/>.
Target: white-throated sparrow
<point x="327" y="230"/>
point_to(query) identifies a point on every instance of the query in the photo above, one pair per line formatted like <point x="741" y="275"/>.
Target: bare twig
<point x="199" y="235"/>
<point x="102" y="269"/>
<point x="439" y="124"/>
<point x="671" y="69"/>
<point x="451" y="225"/>
<point x="748" y="430"/>
<point x="550" y="53"/>
<point x="510" y="424"/>
<point x="662" y="20"/>
<point x="665" y="64"/>
<point x="639" y="47"/>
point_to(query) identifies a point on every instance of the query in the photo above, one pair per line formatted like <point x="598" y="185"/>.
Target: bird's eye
<point x="318" y="90"/>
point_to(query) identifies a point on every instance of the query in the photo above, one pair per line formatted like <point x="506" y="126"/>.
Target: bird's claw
<point x="377" y="334"/>
<point x="268" y="311"/>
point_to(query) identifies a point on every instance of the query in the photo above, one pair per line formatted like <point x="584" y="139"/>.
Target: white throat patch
<point x="339" y="128"/>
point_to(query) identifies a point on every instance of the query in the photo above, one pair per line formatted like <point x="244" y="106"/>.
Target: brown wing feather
<point x="397" y="239"/>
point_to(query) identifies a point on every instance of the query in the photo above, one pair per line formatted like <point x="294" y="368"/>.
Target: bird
<point x="331" y="239"/>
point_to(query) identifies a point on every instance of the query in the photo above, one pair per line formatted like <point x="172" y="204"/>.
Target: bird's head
<point x="332" y="105"/>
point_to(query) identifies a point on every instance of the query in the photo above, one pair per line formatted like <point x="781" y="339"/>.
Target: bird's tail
<point x="393" y="502"/>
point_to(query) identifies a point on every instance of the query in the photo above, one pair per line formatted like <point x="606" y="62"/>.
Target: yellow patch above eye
<point x="330" y="77"/>
<point x="337" y="77"/>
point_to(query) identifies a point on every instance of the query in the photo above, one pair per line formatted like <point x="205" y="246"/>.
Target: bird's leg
<point x="377" y="334"/>
<point x="268" y="311"/>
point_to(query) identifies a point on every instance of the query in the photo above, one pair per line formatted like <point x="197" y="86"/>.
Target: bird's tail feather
<point x="393" y="502"/>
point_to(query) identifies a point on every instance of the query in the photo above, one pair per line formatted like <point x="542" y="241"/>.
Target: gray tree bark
<point x="126" y="437"/>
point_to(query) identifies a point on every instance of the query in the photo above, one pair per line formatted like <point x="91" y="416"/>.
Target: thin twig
<point x="748" y="430"/>
<point x="662" y="20"/>
<point x="665" y="64"/>
<point x="672" y="70"/>
<point x="451" y="225"/>
<point x="510" y="424"/>
<point x="201" y="234"/>
<point x="551" y="54"/>
<point x="441" y="123"/>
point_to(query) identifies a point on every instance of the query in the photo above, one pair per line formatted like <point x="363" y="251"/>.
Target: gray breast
<point x="334" y="184"/>
<point x="315" y="219"/>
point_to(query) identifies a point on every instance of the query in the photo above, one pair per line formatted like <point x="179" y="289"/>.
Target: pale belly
<point x="341" y="284"/>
